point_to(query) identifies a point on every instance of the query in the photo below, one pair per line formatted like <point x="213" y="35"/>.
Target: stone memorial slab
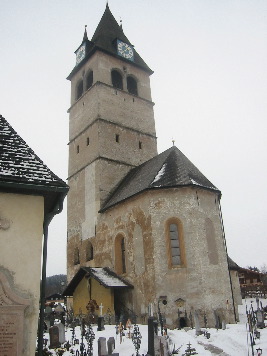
<point x="12" y="326"/>
<point x="102" y="347"/>
<point x="111" y="345"/>
<point x="61" y="332"/>
<point x="197" y="324"/>
<point x="54" y="337"/>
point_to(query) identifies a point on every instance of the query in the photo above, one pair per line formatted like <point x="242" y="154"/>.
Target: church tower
<point x="111" y="128"/>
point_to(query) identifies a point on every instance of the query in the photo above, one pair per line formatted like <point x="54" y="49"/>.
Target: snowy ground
<point x="234" y="341"/>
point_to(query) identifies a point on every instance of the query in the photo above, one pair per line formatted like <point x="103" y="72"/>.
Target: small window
<point x="76" y="256"/>
<point x="89" y="252"/>
<point x="78" y="148"/>
<point x="120" y="255"/>
<point x="89" y="80"/>
<point x="140" y="145"/>
<point x="132" y="85"/>
<point x="79" y="91"/>
<point x="87" y="141"/>
<point x="116" y="79"/>
<point x="117" y="138"/>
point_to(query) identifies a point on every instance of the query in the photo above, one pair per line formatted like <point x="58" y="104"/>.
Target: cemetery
<point x="94" y="333"/>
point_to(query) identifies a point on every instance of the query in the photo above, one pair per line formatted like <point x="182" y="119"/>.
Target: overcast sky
<point x="209" y="87"/>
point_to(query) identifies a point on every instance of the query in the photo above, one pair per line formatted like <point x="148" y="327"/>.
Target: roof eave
<point x="102" y="210"/>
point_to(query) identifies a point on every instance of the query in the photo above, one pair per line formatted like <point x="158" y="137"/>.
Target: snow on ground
<point x="234" y="341"/>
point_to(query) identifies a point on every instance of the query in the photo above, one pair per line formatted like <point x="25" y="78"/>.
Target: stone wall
<point x="202" y="282"/>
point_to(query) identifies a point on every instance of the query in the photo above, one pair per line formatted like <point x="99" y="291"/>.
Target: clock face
<point x="125" y="50"/>
<point x="80" y="54"/>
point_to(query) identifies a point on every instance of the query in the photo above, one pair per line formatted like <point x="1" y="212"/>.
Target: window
<point x="87" y="141"/>
<point x="79" y="90"/>
<point x="78" y="149"/>
<point x="140" y="145"/>
<point x="89" y="251"/>
<point x="116" y="79"/>
<point x="211" y="242"/>
<point x="132" y="85"/>
<point x="117" y="138"/>
<point x="76" y="256"/>
<point x="175" y="245"/>
<point x="89" y="80"/>
<point x="120" y="255"/>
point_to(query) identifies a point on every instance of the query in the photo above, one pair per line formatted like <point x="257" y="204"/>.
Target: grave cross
<point x="101" y="309"/>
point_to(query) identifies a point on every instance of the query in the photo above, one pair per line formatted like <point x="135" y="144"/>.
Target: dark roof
<point x="103" y="275"/>
<point x="232" y="265"/>
<point x="21" y="169"/>
<point x="169" y="169"/>
<point x="104" y="39"/>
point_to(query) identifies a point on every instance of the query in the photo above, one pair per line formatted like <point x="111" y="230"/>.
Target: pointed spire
<point x="85" y="37"/>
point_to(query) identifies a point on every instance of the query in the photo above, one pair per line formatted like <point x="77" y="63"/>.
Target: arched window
<point x="79" y="90"/>
<point x="116" y="79"/>
<point x="212" y="247"/>
<point x="175" y="245"/>
<point x="76" y="256"/>
<point x="120" y="256"/>
<point x="132" y="85"/>
<point x="89" y="251"/>
<point x="89" y="80"/>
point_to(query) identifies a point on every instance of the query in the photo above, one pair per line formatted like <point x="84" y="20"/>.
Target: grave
<point x="54" y="337"/>
<point x="111" y="345"/>
<point x="12" y="326"/>
<point x="61" y="331"/>
<point x="102" y="347"/>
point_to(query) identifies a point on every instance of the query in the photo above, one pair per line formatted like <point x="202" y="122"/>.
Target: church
<point x="143" y="228"/>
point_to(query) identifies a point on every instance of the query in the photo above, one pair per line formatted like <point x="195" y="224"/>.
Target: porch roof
<point x="103" y="275"/>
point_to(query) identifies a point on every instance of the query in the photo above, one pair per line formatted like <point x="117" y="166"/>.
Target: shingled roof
<point x="169" y="169"/>
<point x="104" y="39"/>
<point x="21" y="169"/>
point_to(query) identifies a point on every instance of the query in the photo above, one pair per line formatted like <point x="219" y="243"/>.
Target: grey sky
<point x="209" y="89"/>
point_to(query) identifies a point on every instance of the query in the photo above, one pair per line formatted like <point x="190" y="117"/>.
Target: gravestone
<point x="111" y="345"/>
<point x="12" y="327"/>
<point x="54" y="337"/>
<point x="102" y="347"/>
<point x="197" y="324"/>
<point x="61" y="332"/>
<point x="260" y="319"/>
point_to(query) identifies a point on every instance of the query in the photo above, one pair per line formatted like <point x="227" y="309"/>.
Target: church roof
<point x="103" y="275"/>
<point x="104" y="39"/>
<point x="21" y="169"/>
<point x="170" y="169"/>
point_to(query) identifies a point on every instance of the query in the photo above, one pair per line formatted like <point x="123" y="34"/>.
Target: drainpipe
<point x="223" y="233"/>
<point x="47" y="219"/>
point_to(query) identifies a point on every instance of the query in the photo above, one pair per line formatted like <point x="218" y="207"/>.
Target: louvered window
<point x="175" y="245"/>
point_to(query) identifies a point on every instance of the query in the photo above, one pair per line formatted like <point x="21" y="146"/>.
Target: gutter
<point x="47" y="219"/>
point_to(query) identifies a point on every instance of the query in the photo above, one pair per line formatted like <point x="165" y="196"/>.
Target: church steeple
<point x="107" y="38"/>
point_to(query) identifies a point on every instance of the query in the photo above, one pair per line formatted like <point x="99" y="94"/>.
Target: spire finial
<point x="120" y="22"/>
<point x="173" y="141"/>
<point x="85" y="37"/>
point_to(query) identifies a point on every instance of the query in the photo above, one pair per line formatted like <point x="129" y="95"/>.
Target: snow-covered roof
<point x="19" y="164"/>
<point x="103" y="275"/>
<point x="169" y="169"/>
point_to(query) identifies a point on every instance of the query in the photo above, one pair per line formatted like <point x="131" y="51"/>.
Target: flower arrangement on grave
<point x="60" y="351"/>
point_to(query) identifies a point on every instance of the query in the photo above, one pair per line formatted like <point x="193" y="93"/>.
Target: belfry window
<point x="89" y="80"/>
<point x="79" y="91"/>
<point x="116" y="79"/>
<point x="132" y="85"/>
<point x="175" y="244"/>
